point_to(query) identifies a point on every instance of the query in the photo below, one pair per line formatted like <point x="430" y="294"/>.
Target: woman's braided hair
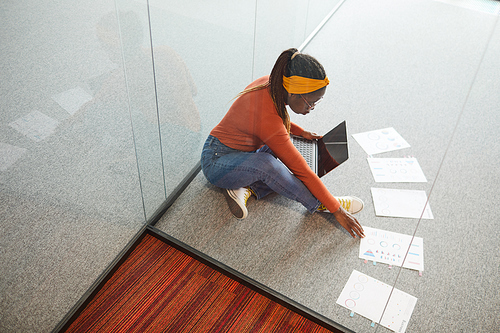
<point x="289" y="63"/>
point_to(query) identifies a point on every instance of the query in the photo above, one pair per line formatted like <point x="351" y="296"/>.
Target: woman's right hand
<point x="310" y="135"/>
<point x="349" y="222"/>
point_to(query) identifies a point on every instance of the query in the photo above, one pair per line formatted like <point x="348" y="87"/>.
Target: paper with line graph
<point x="396" y="170"/>
<point x="391" y="248"/>
<point x="377" y="301"/>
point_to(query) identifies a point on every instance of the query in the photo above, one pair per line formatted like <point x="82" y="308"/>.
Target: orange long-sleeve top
<point x="253" y="121"/>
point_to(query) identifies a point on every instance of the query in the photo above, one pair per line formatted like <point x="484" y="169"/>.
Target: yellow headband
<point x="303" y="85"/>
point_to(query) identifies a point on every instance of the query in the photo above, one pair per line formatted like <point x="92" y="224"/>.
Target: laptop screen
<point x="332" y="149"/>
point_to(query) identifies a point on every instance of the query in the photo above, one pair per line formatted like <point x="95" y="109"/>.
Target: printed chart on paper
<point x="368" y="297"/>
<point x="392" y="248"/>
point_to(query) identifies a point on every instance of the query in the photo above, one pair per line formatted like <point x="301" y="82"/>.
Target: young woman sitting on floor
<point x="250" y="152"/>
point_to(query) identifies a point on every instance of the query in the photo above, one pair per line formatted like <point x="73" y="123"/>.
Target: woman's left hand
<point x="310" y="135"/>
<point x="349" y="223"/>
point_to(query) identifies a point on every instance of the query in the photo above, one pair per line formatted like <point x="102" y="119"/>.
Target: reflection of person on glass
<point x="175" y="85"/>
<point x="241" y="153"/>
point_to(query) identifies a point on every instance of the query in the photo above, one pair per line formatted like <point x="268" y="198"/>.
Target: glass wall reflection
<point x="202" y="55"/>
<point x="70" y="191"/>
<point x="67" y="141"/>
<point x="432" y="86"/>
<point x="105" y="106"/>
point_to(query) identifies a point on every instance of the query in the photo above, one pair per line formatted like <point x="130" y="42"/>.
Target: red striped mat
<point x="161" y="289"/>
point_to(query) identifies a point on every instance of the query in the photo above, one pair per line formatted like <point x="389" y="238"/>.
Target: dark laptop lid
<point x="332" y="149"/>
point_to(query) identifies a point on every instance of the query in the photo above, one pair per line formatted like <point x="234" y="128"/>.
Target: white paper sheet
<point x="391" y="248"/>
<point x="9" y="155"/>
<point x="401" y="203"/>
<point x="368" y="297"/>
<point x="35" y="125"/>
<point x="396" y="170"/>
<point x="380" y="141"/>
<point x="72" y="100"/>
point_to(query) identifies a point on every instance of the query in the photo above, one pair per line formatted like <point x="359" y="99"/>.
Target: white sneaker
<point x="237" y="201"/>
<point x="351" y="204"/>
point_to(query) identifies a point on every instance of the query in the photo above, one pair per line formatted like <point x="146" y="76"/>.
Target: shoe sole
<point x="362" y="205"/>
<point x="238" y="211"/>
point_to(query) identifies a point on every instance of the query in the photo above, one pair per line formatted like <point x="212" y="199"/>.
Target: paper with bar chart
<point x="392" y="248"/>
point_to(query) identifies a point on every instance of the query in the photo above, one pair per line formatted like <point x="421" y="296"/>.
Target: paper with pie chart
<point x="396" y="170"/>
<point x="368" y="297"/>
<point x="401" y="203"/>
<point x="380" y="141"/>
<point x="392" y="248"/>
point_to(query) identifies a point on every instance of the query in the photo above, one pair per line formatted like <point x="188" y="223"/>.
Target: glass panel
<point x="139" y="92"/>
<point x="317" y="11"/>
<point x="70" y="194"/>
<point x="275" y="33"/>
<point x="203" y="58"/>
<point x="387" y="72"/>
<point x="407" y="65"/>
<point x="457" y="291"/>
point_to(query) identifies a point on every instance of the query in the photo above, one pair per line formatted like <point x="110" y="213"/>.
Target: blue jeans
<point x="260" y="170"/>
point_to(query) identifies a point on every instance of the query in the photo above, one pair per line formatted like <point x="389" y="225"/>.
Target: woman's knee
<point x="269" y="164"/>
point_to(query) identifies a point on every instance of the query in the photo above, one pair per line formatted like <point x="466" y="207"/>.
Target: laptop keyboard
<point x="305" y="148"/>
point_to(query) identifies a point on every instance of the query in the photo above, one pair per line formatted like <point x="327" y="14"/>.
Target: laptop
<point x="327" y="153"/>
